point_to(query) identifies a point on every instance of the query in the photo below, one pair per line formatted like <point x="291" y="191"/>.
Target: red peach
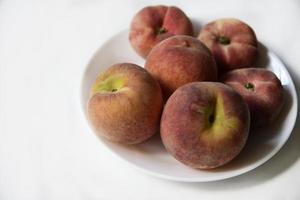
<point x="262" y="91"/>
<point x="179" y="60"/>
<point x="205" y="124"/>
<point x="153" y="24"/>
<point x="232" y="42"/>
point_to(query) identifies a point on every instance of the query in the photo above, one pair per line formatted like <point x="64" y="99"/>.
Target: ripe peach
<point x="232" y="42"/>
<point x="153" y="24"/>
<point x="205" y="124"/>
<point x="179" y="60"/>
<point x="125" y="104"/>
<point x="262" y="91"/>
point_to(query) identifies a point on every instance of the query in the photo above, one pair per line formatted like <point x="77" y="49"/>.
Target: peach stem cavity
<point x="249" y="86"/>
<point x="224" y="40"/>
<point x="161" y="30"/>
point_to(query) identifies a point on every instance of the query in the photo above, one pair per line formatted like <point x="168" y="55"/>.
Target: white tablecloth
<point x="46" y="148"/>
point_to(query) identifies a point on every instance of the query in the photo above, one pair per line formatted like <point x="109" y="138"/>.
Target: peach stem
<point x="224" y="40"/>
<point x="249" y="86"/>
<point x="162" y="30"/>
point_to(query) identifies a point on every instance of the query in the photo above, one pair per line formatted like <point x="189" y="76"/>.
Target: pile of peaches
<point x="201" y="94"/>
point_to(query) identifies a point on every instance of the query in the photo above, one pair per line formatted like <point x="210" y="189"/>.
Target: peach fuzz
<point x="232" y="42"/>
<point x="179" y="60"/>
<point x="262" y="91"/>
<point x="153" y="24"/>
<point x="205" y="124"/>
<point x="125" y="104"/>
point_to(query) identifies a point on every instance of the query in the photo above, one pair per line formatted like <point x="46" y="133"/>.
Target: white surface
<point x="47" y="151"/>
<point x="151" y="156"/>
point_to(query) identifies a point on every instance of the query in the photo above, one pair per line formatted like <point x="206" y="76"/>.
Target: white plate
<point x="151" y="156"/>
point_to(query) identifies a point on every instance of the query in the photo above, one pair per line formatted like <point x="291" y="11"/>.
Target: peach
<point x="262" y="91"/>
<point x="205" y="124"/>
<point x="125" y="104"/>
<point x="179" y="60"/>
<point x="153" y="24"/>
<point x="232" y="42"/>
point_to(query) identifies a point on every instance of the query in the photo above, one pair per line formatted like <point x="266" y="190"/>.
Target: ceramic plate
<point x="151" y="156"/>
